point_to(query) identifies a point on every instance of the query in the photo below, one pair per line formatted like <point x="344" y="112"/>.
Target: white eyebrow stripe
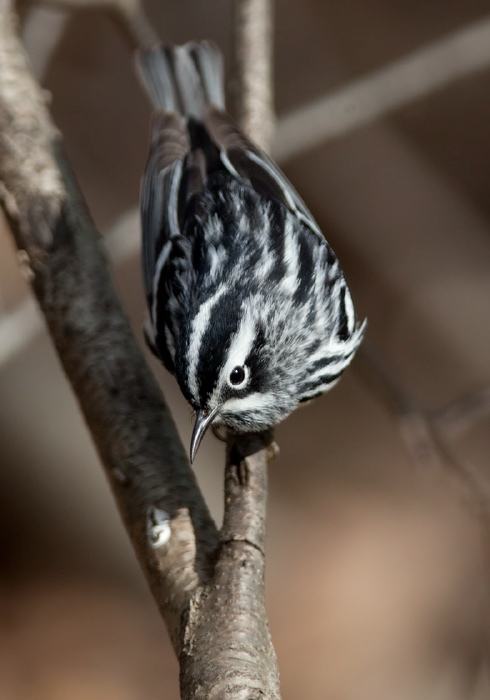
<point x="243" y="340"/>
<point x="240" y="346"/>
<point x="199" y="326"/>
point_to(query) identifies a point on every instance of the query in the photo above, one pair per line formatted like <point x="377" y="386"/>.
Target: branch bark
<point x="228" y="620"/>
<point x="254" y="78"/>
<point x="210" y="590"/>
<point x="124" y="410"/>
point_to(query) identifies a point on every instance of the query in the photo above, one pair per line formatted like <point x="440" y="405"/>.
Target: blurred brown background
<point x="377" y="568"/>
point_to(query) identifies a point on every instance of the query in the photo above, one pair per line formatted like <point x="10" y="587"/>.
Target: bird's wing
<point x="159" y="190"/>
<point x="243" y="159"/>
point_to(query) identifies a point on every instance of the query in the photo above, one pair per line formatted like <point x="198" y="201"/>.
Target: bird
<point x="247" y="304"/>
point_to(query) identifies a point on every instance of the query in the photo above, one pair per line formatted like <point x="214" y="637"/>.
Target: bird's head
<point x="226" y="372"/>
<point x="247" y="359"/>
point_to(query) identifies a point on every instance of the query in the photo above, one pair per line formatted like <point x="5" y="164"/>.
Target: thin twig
<point x="254" y="70"/>
<point x="231" y="611"/>
<point x="461" y="414"/>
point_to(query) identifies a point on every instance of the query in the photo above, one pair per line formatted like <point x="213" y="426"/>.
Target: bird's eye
<point x="237" y="376"/>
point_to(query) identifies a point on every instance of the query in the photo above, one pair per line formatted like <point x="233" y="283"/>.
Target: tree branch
<point x="254" y="69"/>
<point x="20" y="326"/>
<point x="163" y="510"/>
<point x="240" y="661"/>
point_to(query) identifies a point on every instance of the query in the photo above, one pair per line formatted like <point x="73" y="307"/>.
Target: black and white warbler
<point x="248" y="306"/>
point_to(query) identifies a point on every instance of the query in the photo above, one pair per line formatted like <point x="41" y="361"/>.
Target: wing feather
<point x="159" y="188"/>
<point x="250" y="162"/>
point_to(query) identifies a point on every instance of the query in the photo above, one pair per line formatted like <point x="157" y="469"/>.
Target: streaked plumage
<point x="237" y="274"/>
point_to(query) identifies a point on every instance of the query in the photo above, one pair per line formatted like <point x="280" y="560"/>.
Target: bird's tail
<point x="184" y="78"/>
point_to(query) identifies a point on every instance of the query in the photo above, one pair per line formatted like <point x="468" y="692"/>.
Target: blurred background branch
<point x="424" y="432"/>
<point x="371" y="97"/>
<point x="129" y="14"/>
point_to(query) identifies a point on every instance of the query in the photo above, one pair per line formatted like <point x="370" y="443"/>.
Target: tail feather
<point x="184" y="78"/>
<point x="209" y="63"/>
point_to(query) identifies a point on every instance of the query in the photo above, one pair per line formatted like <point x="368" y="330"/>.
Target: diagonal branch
<point x="161" y="505"/>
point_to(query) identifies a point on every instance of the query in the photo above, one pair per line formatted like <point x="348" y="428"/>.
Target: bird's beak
<point x="203" y="421"/>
